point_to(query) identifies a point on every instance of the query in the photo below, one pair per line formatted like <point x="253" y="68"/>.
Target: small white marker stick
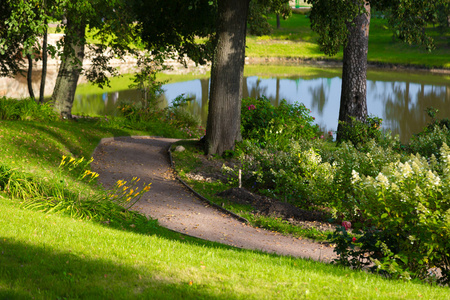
<point x="240" y="178"/>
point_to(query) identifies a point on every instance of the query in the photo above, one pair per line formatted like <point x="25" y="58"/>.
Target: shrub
<point x="360" y="132"/>
<point x="428" y="142"/>
<point x="139" y="116"/>
<point x="339" y="193"/>
<point x="26" y="110"/>
<point x="271" y="171"/>
<point x="434" y="135"/>
<point x="266" y="124"/>
<point x="407" y="213"/>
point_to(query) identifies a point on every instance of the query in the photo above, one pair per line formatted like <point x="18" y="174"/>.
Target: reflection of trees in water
<point x="257" y="91"/>
<point x="402" y="104"/>
<point x="319" y="95"/>
<point x="407" y="118"/>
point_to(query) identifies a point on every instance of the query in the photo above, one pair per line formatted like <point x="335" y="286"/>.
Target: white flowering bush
<point x="340" y="194"/>
<point x="406" y="208"/>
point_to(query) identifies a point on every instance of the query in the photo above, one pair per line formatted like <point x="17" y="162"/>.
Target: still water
<point x="399" y="98"/>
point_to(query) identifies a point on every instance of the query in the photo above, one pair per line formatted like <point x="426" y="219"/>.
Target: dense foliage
<point x="265" y="123"/>
<point x="27" y="109"/>
<point x="394" y="195"/>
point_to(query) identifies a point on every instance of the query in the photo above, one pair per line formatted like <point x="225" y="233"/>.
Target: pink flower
<point x="251" y="107"/>
<point x="353" y="239"/>
<point x="347" y="225"/>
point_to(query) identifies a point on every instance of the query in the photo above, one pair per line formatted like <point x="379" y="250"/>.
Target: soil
<point x="211" y="170"/>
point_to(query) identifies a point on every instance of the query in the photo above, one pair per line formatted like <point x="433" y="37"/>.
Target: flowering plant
<point x="408" y="207"/>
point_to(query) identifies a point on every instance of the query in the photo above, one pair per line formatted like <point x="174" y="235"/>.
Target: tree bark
<point x="44" y="68"/>
<point x="29" y="76"/>
<point x="70" y="69"/>
<point x="354" y="71"/>
<point x="227" y="72"/>
<point x="278" y="21"/>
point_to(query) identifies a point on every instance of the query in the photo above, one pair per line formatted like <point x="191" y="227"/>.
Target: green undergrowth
<point x="46" y="255"/>
<point x="188" y="161"/>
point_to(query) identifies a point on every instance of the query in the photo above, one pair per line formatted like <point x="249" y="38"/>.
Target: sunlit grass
<point x="48" y="256"/>
<point x="296" y="39"/>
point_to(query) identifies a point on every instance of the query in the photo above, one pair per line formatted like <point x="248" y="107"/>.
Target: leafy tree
<point x="22" y="23"/>
<point x="174" y="25"/>
<point x="258" y="15"/>
<point x="111" y="24"/>
<point x="346" y="23"/>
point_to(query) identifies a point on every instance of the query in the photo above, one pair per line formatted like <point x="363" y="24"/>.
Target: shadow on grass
<point x="35" y="272"/>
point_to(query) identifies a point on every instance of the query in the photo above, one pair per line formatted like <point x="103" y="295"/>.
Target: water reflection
<point x="399" y="98"/>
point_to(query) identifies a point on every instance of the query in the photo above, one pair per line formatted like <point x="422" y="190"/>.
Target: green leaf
<point x="383" y="216"/>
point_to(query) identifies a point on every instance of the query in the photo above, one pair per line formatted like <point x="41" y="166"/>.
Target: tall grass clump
<point x="26" y="110"/>
<point x="55" y="195"/>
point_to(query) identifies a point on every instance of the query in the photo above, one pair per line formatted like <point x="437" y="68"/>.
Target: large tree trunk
<point x="70" y="69"/>
<point x="227" y="72"/>
<point x="354" y="71"/>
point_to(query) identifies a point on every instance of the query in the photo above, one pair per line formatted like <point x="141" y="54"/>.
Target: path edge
<point x="209" y="202"/>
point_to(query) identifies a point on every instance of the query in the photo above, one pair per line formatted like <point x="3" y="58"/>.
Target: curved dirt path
<point x="178" y="209"/>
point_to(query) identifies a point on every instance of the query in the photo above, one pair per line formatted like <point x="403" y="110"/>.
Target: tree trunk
<point x="278" y="21"/>
<point x="227" y="72"/>
<point x="44" y="68"/>
<point x="70" y="69"/>
<point x="354" y="71"/>
<point x="29" y="76"/>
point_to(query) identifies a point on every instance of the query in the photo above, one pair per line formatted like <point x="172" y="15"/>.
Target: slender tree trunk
<point x="44" y="68"/>
<point x="70" y="69"/>
<point x="278" y="21"/>
<point x="354" y="71"/>
<point x="227" y="72"/>
<point x="30" y="76"/>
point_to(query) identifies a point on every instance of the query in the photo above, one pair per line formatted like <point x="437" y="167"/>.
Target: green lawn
<point x="49" y="256"/>
<point x="296" y="40"/>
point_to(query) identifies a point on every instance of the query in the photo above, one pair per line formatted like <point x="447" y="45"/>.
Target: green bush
<point x="139" y="116"/>
<point x="345" y="159"/>
<point x="26" y="110"/>
<point x="270" y="171"/>
<point x="267" y="124"/>
<point x="428" y="142"/>
<point x="360" y="132"/>
<point x="407" y="213"/>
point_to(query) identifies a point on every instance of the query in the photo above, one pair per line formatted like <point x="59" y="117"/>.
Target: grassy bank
<point x="53" y="256"/>
<point x="295" y="39"/>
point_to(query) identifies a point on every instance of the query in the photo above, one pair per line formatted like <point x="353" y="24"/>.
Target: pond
<point x="399" y="98"/>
